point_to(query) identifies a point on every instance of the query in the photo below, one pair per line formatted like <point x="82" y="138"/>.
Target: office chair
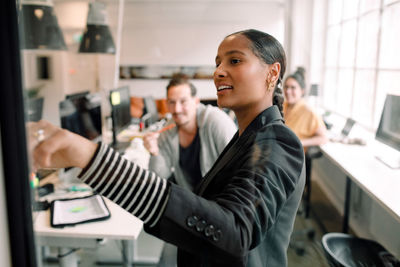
<point x="344" y="250"/>
<point x="297" y="238"/>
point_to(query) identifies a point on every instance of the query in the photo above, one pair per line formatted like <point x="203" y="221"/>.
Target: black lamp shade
<point x="97" y="39"/>
<point x="40" y="28"/>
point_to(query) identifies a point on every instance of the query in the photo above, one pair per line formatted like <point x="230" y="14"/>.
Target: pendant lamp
<point x="39" y="26"/>
<point x="97" y="36"/>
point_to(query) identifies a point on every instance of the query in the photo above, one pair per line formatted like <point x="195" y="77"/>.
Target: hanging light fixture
<point x="40" y="28"/>
<point x="97" y="36"/>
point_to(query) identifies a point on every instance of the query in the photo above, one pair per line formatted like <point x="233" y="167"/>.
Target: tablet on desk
<point x="69" y="212"/>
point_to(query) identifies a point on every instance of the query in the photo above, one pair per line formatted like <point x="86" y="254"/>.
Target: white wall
<point x="155" y="32"/>
<point x="188" y="33"/>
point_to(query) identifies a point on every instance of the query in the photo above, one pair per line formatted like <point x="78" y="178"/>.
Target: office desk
<point x="371" y="175"/>
<point x="121" y="225"/>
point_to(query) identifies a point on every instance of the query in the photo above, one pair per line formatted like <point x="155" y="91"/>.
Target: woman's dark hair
<point x="179" y="79"/>
<point x="298" y="75"/>
<point x="269" y="50"/>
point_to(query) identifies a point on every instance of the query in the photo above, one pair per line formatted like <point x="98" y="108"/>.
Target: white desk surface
<point x="374" y="177"/>
<point x="121" y="225"/>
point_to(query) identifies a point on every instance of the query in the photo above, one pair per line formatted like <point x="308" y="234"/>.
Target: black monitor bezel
<point x="116" y="129"/>
<point x="380" y="135"/>
<point x="77" y="95"/>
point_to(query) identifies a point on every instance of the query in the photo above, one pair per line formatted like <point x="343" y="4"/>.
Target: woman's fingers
<point x="58" y="148"/>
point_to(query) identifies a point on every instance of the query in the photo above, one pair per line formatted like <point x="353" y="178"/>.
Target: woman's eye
<point x="235" y="61"/>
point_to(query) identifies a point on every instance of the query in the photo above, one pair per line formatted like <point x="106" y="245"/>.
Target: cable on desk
<point x="68" y="253"/>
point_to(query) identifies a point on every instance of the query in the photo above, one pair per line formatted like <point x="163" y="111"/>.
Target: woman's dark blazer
<point x="242" y="213"/>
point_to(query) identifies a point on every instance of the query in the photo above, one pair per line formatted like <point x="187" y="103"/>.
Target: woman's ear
<point x="274" y="72"/>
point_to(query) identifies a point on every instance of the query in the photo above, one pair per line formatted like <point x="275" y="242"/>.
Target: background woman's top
<point x="302" y="119"/>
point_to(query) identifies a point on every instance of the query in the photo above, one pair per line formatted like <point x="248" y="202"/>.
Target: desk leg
<point x="67" y="257"/>
<point x="39" y="256"/>
<point x="345" y="226"/>
<point x="127" y="250"/>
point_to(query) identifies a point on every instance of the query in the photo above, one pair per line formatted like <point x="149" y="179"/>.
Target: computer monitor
<point x="150" y="111"/>
<point x="82" y="115"/>
<point x="120" y="110"/>
<point x="347" y="127"/>
<point x="77" y="95"/>
<point x="35" y="109"/>
<point x="388" y="131"/>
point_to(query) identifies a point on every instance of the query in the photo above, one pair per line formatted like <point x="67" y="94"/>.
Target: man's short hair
<point x="179" y="79"/>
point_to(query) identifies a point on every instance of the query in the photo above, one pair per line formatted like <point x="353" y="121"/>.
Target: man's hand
<point x="150" y="141"/>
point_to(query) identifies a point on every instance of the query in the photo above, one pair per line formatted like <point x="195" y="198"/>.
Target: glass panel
<point x="390" y="40"/>
<point x="332" y="46"/>
<point x="334" y="11"/>
<point x="347" y="44"/>
<point x="387" y="2"/>
<point x="367" y="44"/>
<point x="329" y="90"/>
<point x="364" y="96"/>
<point x="367" y="5"/>
<point x="59" y="79"/>
<point x="350" y="9"/>
<point x="388" y="83"/>
<point x="344" y="91"/>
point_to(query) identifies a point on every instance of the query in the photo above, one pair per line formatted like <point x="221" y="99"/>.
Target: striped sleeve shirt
<point x="137" y="190"/>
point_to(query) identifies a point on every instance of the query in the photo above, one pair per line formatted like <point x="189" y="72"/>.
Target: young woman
<point x="242" y="213"/>
<point x="299" y="117"/>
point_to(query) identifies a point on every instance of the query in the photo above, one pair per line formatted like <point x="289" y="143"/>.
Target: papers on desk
<point x="67" y="212"/>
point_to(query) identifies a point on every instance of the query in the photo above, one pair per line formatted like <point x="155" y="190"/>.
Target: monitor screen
<point x="82" y="115"/>
<point x="347" y="127"/>
<point x="388" y="131"/>
<point x="120" y="108"/>
<point x="150" y="110"/>
<point x="35" y="109"/>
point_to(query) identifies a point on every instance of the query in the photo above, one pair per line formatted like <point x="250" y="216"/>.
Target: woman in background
<point x="300" y="117"/>
<point x="242" y="212"/>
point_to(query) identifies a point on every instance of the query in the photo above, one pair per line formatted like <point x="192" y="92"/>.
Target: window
<point x="362" y="63"/>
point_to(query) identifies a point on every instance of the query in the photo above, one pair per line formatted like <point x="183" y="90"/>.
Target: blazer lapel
<point x="239" y="145"/>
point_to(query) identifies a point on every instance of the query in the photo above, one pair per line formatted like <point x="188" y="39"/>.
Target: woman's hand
<point x="53" y="147"/>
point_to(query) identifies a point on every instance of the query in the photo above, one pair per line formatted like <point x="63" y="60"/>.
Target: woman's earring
<point x="271" y="86"/>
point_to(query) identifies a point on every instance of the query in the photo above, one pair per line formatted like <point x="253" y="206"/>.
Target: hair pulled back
<point x="298" y="75"/>
<point x="270" y="51"/>
<point x="179" y="79"/>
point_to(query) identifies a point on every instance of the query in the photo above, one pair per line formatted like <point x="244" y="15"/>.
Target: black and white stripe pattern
<point x="135" y="189"/>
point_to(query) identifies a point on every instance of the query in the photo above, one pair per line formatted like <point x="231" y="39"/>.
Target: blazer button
<point x="200" y="225"/>
<point x="209" y="231"/>
<point x="217" y="235"/>
<point x="191" y="221"/>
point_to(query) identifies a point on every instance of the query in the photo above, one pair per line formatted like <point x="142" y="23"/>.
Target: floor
<point x="326" y="219"/>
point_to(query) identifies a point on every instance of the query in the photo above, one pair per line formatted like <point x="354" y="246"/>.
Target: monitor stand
<point x="69" y="175"/>
<point x="120" y="147"/>
<point x="388" y="156"/>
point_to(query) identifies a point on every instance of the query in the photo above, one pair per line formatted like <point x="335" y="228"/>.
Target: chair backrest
<point x="350" y="251"/>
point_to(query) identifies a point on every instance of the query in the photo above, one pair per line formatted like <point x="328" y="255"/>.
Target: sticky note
<point x="115" y="98"/>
